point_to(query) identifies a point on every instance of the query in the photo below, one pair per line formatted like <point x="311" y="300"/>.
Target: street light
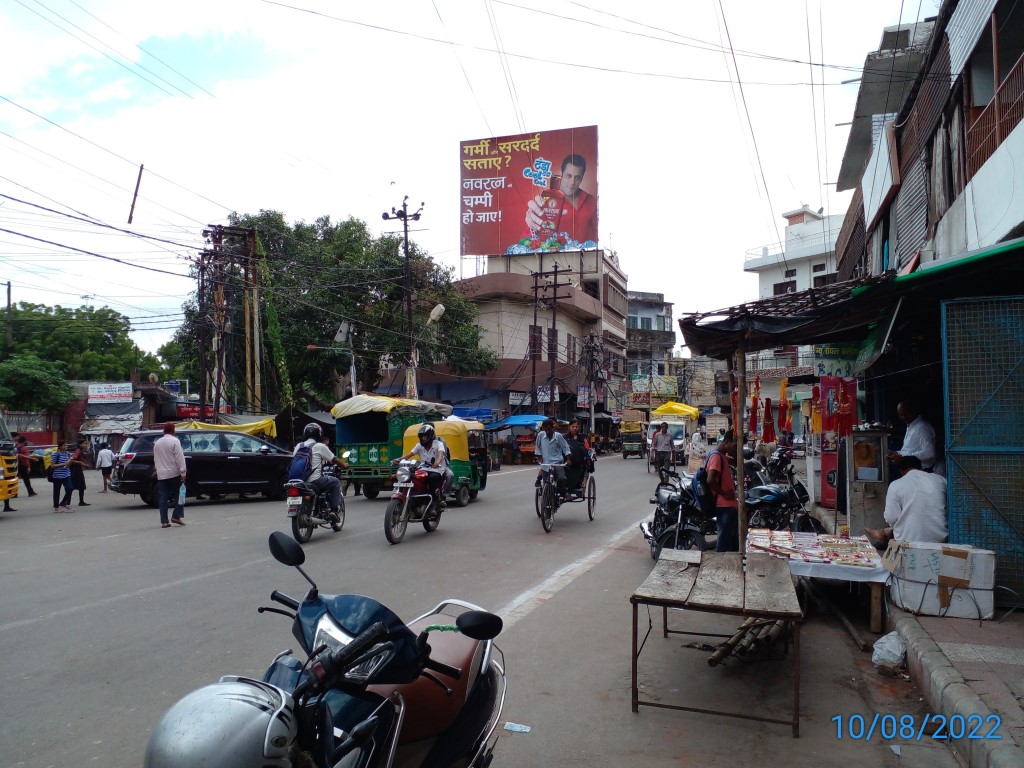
<point x="411" y="390"/>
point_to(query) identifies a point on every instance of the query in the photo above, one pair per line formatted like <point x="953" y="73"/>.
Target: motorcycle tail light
<point x="294" y="492"/>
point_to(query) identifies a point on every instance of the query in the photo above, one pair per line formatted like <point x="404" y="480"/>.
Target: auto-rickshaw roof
<point x="368" y="403"/>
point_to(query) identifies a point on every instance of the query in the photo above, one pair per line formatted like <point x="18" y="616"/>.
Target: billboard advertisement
<point x="529" y="192"/>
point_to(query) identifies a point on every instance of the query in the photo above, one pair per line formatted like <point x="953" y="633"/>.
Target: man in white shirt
<point x="105" y="463"/>
<point x="919" y="440"/>
<point x="433" y="453"/>
<point x="915" y="506"/>
<point x="169" y="462"/>
<point x="322" y="457"/>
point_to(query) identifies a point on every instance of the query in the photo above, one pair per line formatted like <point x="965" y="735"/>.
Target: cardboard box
<point x="926" y="599"/>
<point x="942" y="579"/>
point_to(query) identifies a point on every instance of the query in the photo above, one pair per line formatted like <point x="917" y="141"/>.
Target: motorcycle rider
<point x="313" y="437"/>
<point x="551" y="448"/>
<point x="432" y="451"/>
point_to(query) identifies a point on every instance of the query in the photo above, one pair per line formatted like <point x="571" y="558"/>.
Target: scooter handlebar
<point x="327" y="669"/>
<point x="280" y="597"/>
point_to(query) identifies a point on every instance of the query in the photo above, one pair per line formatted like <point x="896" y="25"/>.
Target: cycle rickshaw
<point x="580" y="485"/>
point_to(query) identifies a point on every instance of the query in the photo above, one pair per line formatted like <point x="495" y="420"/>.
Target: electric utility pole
<point x="553" y="333"/>
<point x="405" y="216"/>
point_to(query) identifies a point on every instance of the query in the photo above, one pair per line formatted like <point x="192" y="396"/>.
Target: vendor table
<point x="875" y="577"/>
<point x="721" y="584"/>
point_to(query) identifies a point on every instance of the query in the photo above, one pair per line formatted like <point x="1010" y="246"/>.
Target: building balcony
<point x="641" y="340"/>
<point x="997" y="120"/>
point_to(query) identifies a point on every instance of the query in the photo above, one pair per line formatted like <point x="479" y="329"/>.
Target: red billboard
<point x="530" y="192"/>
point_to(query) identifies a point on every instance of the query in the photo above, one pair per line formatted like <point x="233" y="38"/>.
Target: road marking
<point x="524" y="603"/>
<point x="128" y="595"/>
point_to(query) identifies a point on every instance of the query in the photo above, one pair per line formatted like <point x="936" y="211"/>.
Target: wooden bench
<point x="718" y="582"/>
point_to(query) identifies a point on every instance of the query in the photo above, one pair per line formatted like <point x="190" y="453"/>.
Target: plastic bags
<point x="890" y="653"/>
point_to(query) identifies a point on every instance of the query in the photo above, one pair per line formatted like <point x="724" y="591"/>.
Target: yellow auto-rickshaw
<point x="634" y="439"/>
<point x="466" y="442"/>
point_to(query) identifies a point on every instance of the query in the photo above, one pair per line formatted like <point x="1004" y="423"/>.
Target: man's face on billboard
<point x="572" y="177"/>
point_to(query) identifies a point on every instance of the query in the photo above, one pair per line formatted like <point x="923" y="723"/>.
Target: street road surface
<point x="106" y="620"/>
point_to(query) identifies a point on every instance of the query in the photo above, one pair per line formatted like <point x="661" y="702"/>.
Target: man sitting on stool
<point x="915" y="506"/>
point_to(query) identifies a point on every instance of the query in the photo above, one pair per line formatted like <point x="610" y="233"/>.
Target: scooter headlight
<point x="334" y="637"/>
<point x="402" y="475"/>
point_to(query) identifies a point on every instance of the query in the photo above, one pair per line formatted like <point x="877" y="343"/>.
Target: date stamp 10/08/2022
<point x="916" y="727"/>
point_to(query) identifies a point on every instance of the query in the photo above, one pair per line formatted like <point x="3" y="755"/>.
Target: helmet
<point x="236" y="722"/>
<point x="313" y="432"/>
<point x="426" y="434"/>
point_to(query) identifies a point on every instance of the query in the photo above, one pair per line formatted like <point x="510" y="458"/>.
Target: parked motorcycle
<point x="367" y="695"/>
<point x="776" y="466"/>
<point x="678" y="522"/>
<point x="774" y="506"/>
<point x="309" y="508"/>
<point x="412" y="501"/>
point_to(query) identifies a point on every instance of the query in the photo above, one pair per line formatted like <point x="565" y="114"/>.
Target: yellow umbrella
<point x="672" y="408"/>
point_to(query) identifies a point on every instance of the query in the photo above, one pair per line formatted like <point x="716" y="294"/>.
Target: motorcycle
<point x="777" y="464"/>
<point x="678" y="521"/>
<point x="412" y="500"/>
<point x="373" y="692"/>
<point x="774" y="506"/>
<point x="309" y="508"/>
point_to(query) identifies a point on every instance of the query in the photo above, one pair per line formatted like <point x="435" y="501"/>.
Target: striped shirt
<point x="60" y="457"/>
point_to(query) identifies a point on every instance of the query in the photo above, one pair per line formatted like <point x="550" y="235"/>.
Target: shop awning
<point x="112" y="418"/>
<point x="672" y="408"/>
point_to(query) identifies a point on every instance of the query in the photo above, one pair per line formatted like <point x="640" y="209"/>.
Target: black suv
<point x="218" y="462"/>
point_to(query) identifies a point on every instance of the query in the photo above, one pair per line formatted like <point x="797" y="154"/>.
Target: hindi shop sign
<point x="111" y="393"/>
<point x="501" y="175"/>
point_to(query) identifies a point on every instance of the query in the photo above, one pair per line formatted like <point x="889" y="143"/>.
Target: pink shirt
<point x="168" y="458"/>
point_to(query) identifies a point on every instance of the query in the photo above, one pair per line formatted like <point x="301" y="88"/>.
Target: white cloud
<point x="315" y="116"/>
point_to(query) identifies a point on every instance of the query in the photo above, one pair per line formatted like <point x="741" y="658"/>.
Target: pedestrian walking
<point x="78" y="464"/>
<point x="25" y="459"/>
<point x="169" y="461"/>
<point x="60" y="477"/>
<point x="105" y="464"/>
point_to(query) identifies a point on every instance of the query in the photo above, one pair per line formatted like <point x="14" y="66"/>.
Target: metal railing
<point x="997" y="120"/>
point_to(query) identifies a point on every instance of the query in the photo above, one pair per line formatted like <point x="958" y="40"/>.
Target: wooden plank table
<point x="718" y="582"/>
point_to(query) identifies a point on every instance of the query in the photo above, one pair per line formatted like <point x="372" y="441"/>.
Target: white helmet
<point x="235" y="723"/>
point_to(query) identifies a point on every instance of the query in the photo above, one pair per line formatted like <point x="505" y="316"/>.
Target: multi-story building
<point x="650" y="339"/>
<point x="556" y="321"/>
<point x="806" y="260"/>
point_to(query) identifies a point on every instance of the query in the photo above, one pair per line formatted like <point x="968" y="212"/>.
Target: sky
<point x="713" y="119"/>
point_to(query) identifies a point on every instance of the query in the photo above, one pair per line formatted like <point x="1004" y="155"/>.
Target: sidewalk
<point x="970" y="668"/>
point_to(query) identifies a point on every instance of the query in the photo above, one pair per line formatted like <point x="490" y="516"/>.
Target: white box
<point x="942" y="579"/>
<point x="926" y="599"/>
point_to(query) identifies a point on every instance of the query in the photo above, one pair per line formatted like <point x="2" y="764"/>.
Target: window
<point x="632" y="322"/>
<point x="663" y="323"/>
<point x="242" y="443"/>
<point x="818" y="268"/>
<point x="790" y="273"/>
<point x="661" y="369"/>
<point x="822" y="280"/>
<point x="535" y="342"/>
<point x="552" y="344"/>
<point x="780" y="289"/>
<point x="645" y="323"/>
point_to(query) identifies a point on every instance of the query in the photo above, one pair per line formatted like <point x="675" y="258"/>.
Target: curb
<point x="949" y="694"/>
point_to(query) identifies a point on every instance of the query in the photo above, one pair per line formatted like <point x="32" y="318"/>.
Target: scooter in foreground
<point x="372" y="692"/>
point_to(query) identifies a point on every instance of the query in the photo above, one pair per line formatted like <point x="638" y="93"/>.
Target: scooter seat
<point x="429" y="709"/>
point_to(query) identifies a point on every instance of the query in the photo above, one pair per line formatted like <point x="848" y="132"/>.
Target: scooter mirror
<point x="286" y="550"/>
<point x="479" y="625"/>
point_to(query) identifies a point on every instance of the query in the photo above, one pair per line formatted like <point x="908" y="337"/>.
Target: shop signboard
<point x="120" y="392"/>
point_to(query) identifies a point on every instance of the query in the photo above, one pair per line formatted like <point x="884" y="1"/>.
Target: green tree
<point x="28" y="383"/>
<point x="91" y="343"/>
<point x="317" y="276"/>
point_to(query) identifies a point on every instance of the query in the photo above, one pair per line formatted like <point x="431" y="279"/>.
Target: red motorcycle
<point x="412" y="500"/>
